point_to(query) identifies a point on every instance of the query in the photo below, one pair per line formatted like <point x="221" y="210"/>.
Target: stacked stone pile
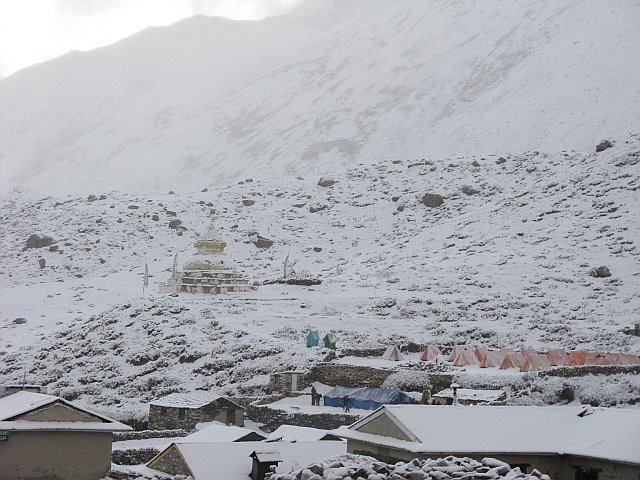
<point x="356" y="467"/>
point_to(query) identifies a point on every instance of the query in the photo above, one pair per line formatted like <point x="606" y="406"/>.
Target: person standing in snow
<point x="314" y="398"/>
<point x="345" y="403"/>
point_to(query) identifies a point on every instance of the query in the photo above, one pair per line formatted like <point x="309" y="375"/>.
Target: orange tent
<point x="464" y="358"/>
<point x="512" y="360"/>
<point x="454" y="353"/>
<point x="557" y="356"/>
<point x="480" y="352"/>
<point x="393" y="353"/>
<point x="492" y="360"/>
<point x="576" y="357"/>
<point x="535" y="362"/>
<point x="431" y="352"/>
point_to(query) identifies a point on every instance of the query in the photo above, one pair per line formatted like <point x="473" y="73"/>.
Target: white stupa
<point x="208" y="270"/>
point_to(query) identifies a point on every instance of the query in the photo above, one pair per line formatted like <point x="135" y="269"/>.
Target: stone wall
<point x="133" y="456"/>
<point x="348" y="375"/>
<point x="171" y="462"/>
<point x="167" y="418"/>
<point x="272" y="418"/>
<point x="144" y="434"/>
<point x="583" y="370"/>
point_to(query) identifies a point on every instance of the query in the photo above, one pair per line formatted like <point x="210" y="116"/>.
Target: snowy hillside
<point x="504" y="260"/>
<point x="209" y="101"/>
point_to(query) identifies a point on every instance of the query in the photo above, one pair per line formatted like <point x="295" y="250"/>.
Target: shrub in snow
<point x="413" y="381"/>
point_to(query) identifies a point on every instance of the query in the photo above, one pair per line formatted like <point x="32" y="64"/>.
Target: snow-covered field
<point x="504" y="261"/>
<point x="208" y="101"/>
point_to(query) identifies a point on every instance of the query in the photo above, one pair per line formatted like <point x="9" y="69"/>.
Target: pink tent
<point x="505" y="350"/>
<point x="557" y="356"/>
<point x="512" y="360"/>
<point x="480" y="352"/>
<point x="528" y="351"/>
<point x="576" y="357"/>
<point x="454" y="353"/>
<point x="535" y="362"/>
<point x="492" y="360"/>
<point x="592" y="358"/>
<point x="628" y="359"/>
<point x="431" y="352"/>
<point x="464" y="358"/>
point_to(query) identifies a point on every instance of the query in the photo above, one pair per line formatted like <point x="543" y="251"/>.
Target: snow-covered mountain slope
<point x="208" y="101"/>
<point x="504" y="260"/>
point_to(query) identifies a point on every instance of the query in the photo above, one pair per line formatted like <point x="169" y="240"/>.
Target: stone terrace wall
<point x="348" y="375"/>
<point x="272" y="418"/>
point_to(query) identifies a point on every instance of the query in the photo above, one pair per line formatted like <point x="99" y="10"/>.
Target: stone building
<point x="568" y="443"/>
<point x="46" y="437"/>
<point x="288" y="381"/>
<point x="185" y="410"/>
<point x="209" y="270"/>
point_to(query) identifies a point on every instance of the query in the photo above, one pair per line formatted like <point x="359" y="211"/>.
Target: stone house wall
<point x="272" y="418"/>
<point x="168" y="418"/>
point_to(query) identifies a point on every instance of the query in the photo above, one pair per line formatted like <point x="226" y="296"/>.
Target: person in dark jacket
<point x="314" y="396"/>
<point x="345" y="402"/>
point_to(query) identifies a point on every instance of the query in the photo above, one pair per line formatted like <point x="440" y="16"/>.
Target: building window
<point x="586" y="473"/>
<point x="181" y="413"/>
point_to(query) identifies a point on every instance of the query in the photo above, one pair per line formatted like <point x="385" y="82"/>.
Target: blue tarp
<point x="366" y="398"/>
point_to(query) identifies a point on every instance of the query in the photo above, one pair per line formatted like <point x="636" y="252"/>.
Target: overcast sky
<point x="32" y="31"/>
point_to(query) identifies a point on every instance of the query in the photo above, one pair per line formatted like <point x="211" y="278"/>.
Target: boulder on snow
<point x="326" y="182"/>
<point x="260" y="241"/>
<point x="37" y="241"/>
<point x="600" y="272"/>
<point x="247" y="202"/>
<point x="175" y="224"/>
<point x="42" y="262"/>
<point x="603" y="145"/>
<point x="432" y="200"/>
<point x="468" y="190"/>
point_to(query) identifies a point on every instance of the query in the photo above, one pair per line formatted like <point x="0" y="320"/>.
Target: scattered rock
<point x="92" y="198"/>
<point x="500" y="161"/>
<point x="395" y="198"/>
<point x="133" y="207"/>
<point x="103" y="197"/>
<point x="98" y="220"/>
<point x="248" y="180"/>
<point x="171" y="192"/>
<point x="475" y="163"/>
<point x="260" y="241"/>
<point x="317" y="208"/>
<point x="317" y="249"/>
<point x="432" y="200"/>
<point x="155" y="218"/>
<point x="175" y="224"/>
<point x="600" y="272"/>
<point x="468" y="190"/>
<point x="247" y="202"/>
<point x="36" y="241"/>
<point x="204" y="190"/>
<point x="53" y="248"/>
<point x="326" y="182"/>
<point x="299" y="205"/>
<point x="603" y="145"/>
<point x="20" y="320"/>
<point x="42" y="262"/>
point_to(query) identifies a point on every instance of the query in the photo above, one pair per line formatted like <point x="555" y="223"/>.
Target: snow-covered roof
<point x="471" y="394"/>
<point x="231" y="461"/>
<point x="294" y="433"/>
<point x="604" y="433"/>
<point x="22" y="402"/>
<point x="216" y="433"/>
<point x="188" y="400"/>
